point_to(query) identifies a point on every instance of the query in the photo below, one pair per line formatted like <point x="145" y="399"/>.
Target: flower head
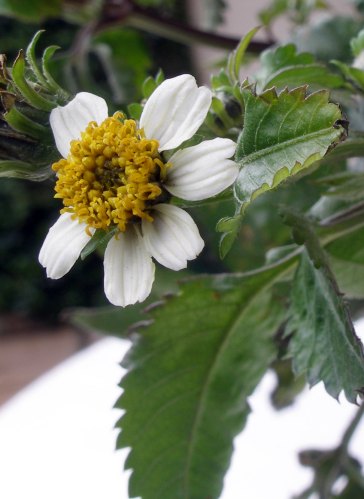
<point x="114" y="176"/>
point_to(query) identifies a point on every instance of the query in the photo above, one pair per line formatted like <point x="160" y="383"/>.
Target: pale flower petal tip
<point x="202" y="171"/>
<point x="62" y="246"/>
<point x="173" y="238"/>
<point x="128" y="269"/>
<point x="67" y="122"/>
<point x="175" y="111"/>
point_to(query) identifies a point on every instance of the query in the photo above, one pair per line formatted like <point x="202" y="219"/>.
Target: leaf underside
<point x="190" y="373"/>
<point x="324" y="344"/>
<point x="282" y="134"/>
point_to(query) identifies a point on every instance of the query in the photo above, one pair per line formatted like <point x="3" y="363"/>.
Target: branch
<point x="127" y="13"/>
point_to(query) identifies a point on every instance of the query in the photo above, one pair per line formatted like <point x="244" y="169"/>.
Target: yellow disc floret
<point x="111" y="176"/>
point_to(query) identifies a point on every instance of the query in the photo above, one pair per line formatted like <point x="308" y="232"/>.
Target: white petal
<point x="173" y="237"/>
<point x="129" y="270"/>
<point x="69" y="121"/>
<point x="202" y="171"/>
<point x="174" y="111"/>
<point x="62" y="246"/>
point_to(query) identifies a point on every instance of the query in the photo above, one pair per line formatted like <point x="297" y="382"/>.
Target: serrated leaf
<point x="282" y="135"/>
<point x="347" y="261"/>
<point x="114" y="321"/>
<point x="190" y="373"/>
<point x="324" y="345"/>
<point x="284" y="66"/>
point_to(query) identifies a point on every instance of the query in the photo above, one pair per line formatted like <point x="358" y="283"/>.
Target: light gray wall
<point x="240" y="17"/>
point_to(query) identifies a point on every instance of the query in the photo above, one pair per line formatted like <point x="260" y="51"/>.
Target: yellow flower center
<point x="111" y="176"/>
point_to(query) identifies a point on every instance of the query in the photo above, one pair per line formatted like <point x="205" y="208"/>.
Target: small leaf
<point x="236" y="57"/>
<point x="324" y="345"/>
<point x="190" y="374"/>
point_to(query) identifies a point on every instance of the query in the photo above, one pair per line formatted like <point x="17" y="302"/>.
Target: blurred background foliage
<point x="109" y="48"/>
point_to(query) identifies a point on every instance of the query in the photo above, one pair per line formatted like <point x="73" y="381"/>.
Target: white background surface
<point x="57" y="439"/>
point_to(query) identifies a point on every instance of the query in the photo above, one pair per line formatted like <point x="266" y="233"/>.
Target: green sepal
<point x="230" y="227"/>
<point x="135" y="110"/>
<point x="27" y="91"/>
<point x="148" y="87"/>
<point x="98" y="241"/>
<point x="62" y="95"/>
<point x="27" y="171"/>
<point x="31" y="59"/>
<point x="21" y="123"/>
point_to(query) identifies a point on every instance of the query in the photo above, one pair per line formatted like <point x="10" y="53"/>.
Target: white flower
<point x="102" y="185"/>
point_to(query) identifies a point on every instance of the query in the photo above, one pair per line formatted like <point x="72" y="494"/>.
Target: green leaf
<point x="190" y="374"/>
<point x="31" y="10"/>
<point x="324" y="345"/>
<point x="347" y="262"/>
<point x="236" y="57"/>
<point x="115" y="321"/>
<point x="283" y="66"/>
<point x="357" y="43"/>
<point x="354" y="75"/>
<point x="329" y="38"/>
<point x="283" y="135"/>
